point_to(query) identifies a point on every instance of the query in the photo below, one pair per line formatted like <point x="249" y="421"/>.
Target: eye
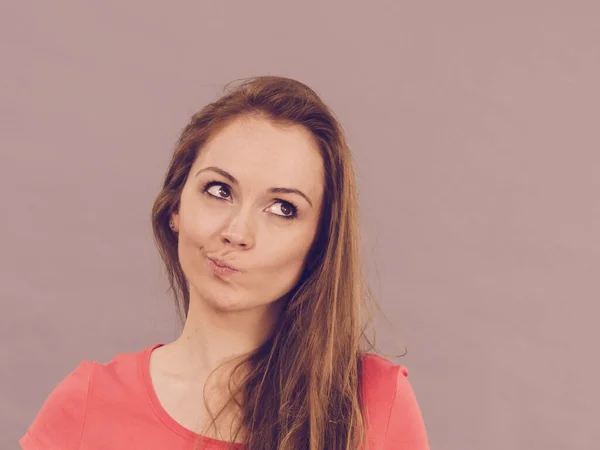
<point x="218" y="190"/>
<point x="285" y="210"/>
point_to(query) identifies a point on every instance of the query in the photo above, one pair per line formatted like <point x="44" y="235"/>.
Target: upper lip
<point x="222" y="263"/>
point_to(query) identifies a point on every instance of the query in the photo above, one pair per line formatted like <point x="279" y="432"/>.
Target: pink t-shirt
<point x="114" y="406"/>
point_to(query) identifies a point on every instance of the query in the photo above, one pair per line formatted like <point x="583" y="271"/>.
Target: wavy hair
<point x="302" y="388"/>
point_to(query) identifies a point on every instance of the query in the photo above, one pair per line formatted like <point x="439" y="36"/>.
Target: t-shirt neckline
<point x="163" y="415"/>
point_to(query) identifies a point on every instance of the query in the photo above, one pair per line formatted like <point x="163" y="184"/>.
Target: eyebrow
<point x="274" y="190"/>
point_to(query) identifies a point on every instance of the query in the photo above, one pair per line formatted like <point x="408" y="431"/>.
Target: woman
<point x="257" y="225"/>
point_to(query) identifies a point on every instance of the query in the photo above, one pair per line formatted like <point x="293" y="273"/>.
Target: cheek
<point x="288" y="255"/>
<point x="282" y="264"/>
<point x="199" y="221"/>
<point x="197" y="230"/>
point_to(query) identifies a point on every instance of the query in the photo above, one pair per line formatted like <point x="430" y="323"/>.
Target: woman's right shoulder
<point x="60" y="421"/>
<point x="71" y="393"/>
<point x="64" y="409"/>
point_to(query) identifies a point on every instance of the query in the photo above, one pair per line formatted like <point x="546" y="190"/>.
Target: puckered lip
<point x="222" y="263"/>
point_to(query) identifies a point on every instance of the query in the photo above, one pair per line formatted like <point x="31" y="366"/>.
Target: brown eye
<point x="218" y="190"/>
<point x="284" y="210"/>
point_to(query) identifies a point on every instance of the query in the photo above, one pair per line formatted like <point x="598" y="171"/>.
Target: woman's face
<point x="251" y="201"/>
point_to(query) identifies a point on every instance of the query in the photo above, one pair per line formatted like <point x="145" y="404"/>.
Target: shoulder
<point x="381" y="381"/>
<point x="64" y="409"/>
<point x="60" y="421"/>
<point x="393" y="413"/>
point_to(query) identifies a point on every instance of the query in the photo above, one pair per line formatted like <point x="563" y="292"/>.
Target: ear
<point x="175" y="220"/>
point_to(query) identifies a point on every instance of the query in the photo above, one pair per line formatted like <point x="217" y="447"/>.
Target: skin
<point x="244" y="225"/>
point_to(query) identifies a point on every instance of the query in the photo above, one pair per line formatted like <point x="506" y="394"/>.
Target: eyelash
<point x="210" y="184"/>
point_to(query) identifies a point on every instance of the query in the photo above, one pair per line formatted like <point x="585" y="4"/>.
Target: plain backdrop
<point x="475" y="129"/>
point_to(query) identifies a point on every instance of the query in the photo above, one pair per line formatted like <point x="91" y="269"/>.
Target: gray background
<point x="475" y="130"/>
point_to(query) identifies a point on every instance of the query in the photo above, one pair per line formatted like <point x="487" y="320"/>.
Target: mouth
<point x="220" y="268"/>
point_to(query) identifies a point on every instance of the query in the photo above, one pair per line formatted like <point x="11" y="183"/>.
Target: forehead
<point x="260" y="152"/>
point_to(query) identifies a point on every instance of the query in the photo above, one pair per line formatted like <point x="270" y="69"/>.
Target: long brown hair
<point x="303" y="385"/>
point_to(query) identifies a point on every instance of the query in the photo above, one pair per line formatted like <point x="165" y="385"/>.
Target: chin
<point x="222" y="300"/>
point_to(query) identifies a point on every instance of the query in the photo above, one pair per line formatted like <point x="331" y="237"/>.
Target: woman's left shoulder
<point x="394" y="415"/>
<point x="382" y="380"/>
<point x="376" y="366"/>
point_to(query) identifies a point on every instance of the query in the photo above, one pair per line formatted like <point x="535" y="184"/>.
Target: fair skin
<point x="245" y="224"/>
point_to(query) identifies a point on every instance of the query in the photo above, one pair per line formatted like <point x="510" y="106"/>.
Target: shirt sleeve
<point x="59" y="423"/>
<point x="406" y="428"/>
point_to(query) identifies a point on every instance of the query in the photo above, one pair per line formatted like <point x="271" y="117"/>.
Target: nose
<point x="238" y="232"/>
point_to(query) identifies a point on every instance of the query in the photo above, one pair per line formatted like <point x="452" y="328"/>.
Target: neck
<point x="213" y="337"/>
